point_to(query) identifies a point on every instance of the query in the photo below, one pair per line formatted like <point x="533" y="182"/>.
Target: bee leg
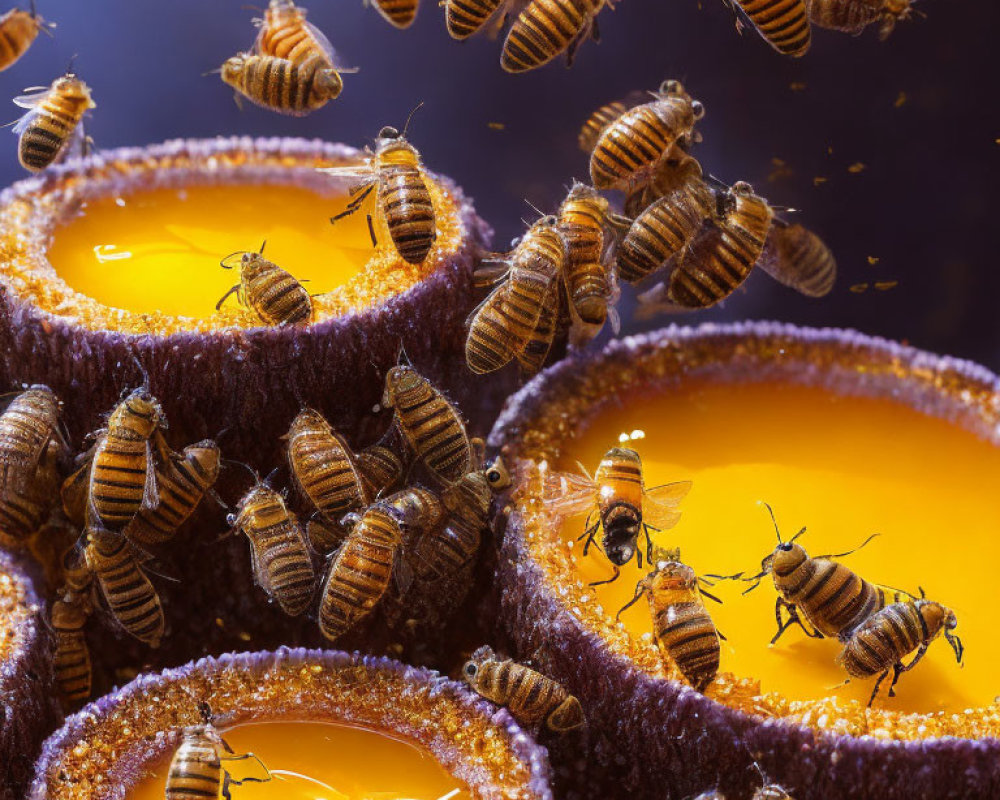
<point x="589" y="531"/>
<point x="640" y="590"/>
<point x="244" y="757"/>
<point x="371" y="230"/>
<point x="878" y="683"/>
<point x="649" y="546"/>
<point x="612" y="579"/>
<point x="236" y="288"/>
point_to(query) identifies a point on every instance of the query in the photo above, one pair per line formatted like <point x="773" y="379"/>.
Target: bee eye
<point x="230" y="520"/>
<point x="471" y="669"/>
<point x="492" y="476"/>
<point x="698" y="109"/>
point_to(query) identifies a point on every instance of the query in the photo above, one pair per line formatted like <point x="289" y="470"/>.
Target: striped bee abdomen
<point x="285" y="567"/>
<point x="582" y="219"/>
<point x="281" y="85"/>
<point x="26" y="426"/>
<point x="598" y="122"/>
<point x="274" y="294"/>
<point x="131" y="597"/>
<point x="18" y="29"/>
<point x="46" y="138"/>
<point x="379" y="467"/>
<point x="784" y="24"/>
<point x="797" y="257"/>
<point x="544" y="29"/>
<point x="490" y="343"/>
<point x="196" y="771"/>
<point x="324" y="467"/>
<point x="686" y="633"/>
<point x="118" y="478"/>
<point x="465" y="17"/>
<point x="408" y="210"/>
<point x="22" y="510"/>
<point x="71" y="660"/>
<point x="285" y="34"/>
<point x="658" y="234"/>
<point x="399" y="13"/>
<point x="883" y="640"/>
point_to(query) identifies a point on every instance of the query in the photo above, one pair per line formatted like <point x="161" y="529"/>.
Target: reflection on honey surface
<point x="845" y="468"/>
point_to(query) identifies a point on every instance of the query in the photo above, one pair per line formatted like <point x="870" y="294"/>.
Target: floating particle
<point x="858" y="288"/>
<point x="797" y="86"/>
<point x="885" y="286"/>
<point x="829" y="149"/>
<point x="244" y="636"/>
<point x="781" y="170"/>
<point x="819" y="180"/>
<point x="495" y="126"/>
<point x="900" y="100"/>
<point x="856" y="167"/>
<point x="873" y="260"/>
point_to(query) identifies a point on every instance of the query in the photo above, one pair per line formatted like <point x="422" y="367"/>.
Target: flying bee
<point x="53" y="124"/>
<point x="22" y="511"/>
<point x="530" y="696"/>
<point x="629" y="150"/>
<point x="279" y="554"/>
<point x="398" y="13"/>
<point x="465" y="17"/>
<point x="277" y="84"/>
<point x="131" y="598"/>
<point x="879" y="644"/>
<point x="522" y="309"/>
<point x="273" y="294"/>
<point x="853" y="16"/>
<point x="832" y="598"/>
<point x="430" y="423"/>
<point x="197" y="771"/>
<point x="285" y="33"/>
<point x="18" y="29"/>
<point x="783" y="24"/>
<point x="546" y="28"/>
<point x="183" y="481"/>
<point x="71" y="659"/>
<point x="588" y="226"/>
<point x="122" y="477"/>
<point x="798" y="258"/>
<point x="402" y="197"/>
<point x="617" y="496"/>
<point x="27" y="425"/>
<point x="682" y="626"/>
<point x="665" y="230"/>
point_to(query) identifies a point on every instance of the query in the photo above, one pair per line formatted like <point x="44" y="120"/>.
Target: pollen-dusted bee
<point x="131" y="597"/>
<point x="530" y="696"/>
<point x="464" y="17"/>
<point x="53" y="124"/>
<point x="122" y="477"/>
<point x="182" y="483"/>
<point x="521" y="310"/>
<point x="280" y="557"/>
<point x="71" y="659"/>
<point x="546" y="28"/>
<point x="22" y="511"/>
<point x="798" y="258"/>
<point x="430" y="423"/>
<point x="587" y="226"/>
<point x="196" y="770"/>
<point x="27" y="425"/>
<point x="273" y="294"/>
<point x="398" y="13"/>
<point x="280" y="85"/>
<point x="665" y="230"/>
<point x="783" y="24"/>
<point x="682" y="626"/>
<point x="832" y="598"/>
<point x="629" y="150"/>
<point x="880" y="643"/>
<point x="622" y="504"/>
<point x="402" y="197"/>
<point x="18" y="29"/>
<point x="853" y="16"/>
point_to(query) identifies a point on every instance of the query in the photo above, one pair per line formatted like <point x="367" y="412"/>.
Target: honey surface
<point x="159" y="250"/>
<point x="845" y="468"/>
<point x="321" y="761"/>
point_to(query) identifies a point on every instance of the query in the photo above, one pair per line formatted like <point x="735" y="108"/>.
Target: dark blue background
<point x="925" y="204"/>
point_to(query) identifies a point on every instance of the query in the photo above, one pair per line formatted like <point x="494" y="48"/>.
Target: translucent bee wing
<point x="500" y="339"/>
<point x="660" y="518"/>
<point x="536" y="349"/>
<point x="364" y="170"/>
<point x="796" y="257"/>
<point x="150" y="493"/>
<point x="656" y="301"/>
<point x="658" y="504"/>
<point x="566" y="494"/>
<point x="24" y="122"/>
<point x="33" y="97"/>
<point x="74" y="493"/>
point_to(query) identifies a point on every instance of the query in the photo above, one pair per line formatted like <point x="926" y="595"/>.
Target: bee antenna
<point x="406" y="127"/>
<point x="403" y="359"/>
<point x="262" y="246"/>
<point x="216" y="71"/>
<point x="34" y="11"/>
<point x="72" y="61"/>
<point x="142" y="371"/>
<point x="776" y="531"/>
<point x="271" y="474"/>
<point x="534" y="208"/>
<point x="247" y="467"/>
<point x="223" y="263"/>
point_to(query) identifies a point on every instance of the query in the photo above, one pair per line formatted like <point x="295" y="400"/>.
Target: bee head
<point x="328" y="83"/>
<point x="673" y="575"/>
<point x="497" y="475"/>
<point x="232" y="69"/>
<point x="620" y="552"/>
<point x="672" y="87"/>
<point x="697" y="109"/>
<point x="470" y="670"/>
<point x="742" y="189"/>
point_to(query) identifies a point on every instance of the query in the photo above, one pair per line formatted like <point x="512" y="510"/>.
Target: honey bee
<point x="130" y="596"/>
<point x="277" y="84"/>
<point x="832" y="598"/>
<point x="521" y="310"/>
<point x="28" y="424"/>
<point x="599" y="121"/>
<point x="22" y="511"/>
<point x="380" y="468"/>
<point x="122" y="478"/>
<point x="429" y="422"/>
<point x="798" y="258"/>
<point x="682" y="626"/>
<point x="398" y="13"/>
<point x="196" y="770"/>
<point x="587" y="227"/>
<point x="183" y="482"/>
<point x="676" y="172"/>
<point x="629" y="150"/>
<point x="279" y="554"/>
<point x="402" y="198"/>
<point x="275" y="296"/>
<point x="665" y="230"/>
<point x="853" y="16"/>
<point x="530" y="696"/>
<point x="18" y="29"/>
<point x="71" y="660"/>
<point x="546" y="28"/>
<point x="53" y="124"/>
<point x="879" y="644"/>
<point x="464" y="17"/>
<point x="285" y="33"/>
<point x="622" y="504"/>
<point x="783" y="24"/>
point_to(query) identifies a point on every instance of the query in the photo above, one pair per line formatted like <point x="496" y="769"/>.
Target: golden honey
<point x="845" y="467"/>
<point x="324" y="761"/>
<point x="159" y="250"/>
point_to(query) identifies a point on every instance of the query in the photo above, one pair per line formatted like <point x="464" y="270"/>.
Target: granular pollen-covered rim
<point x="105" y="749"/>
<point x="32" y="209"/>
